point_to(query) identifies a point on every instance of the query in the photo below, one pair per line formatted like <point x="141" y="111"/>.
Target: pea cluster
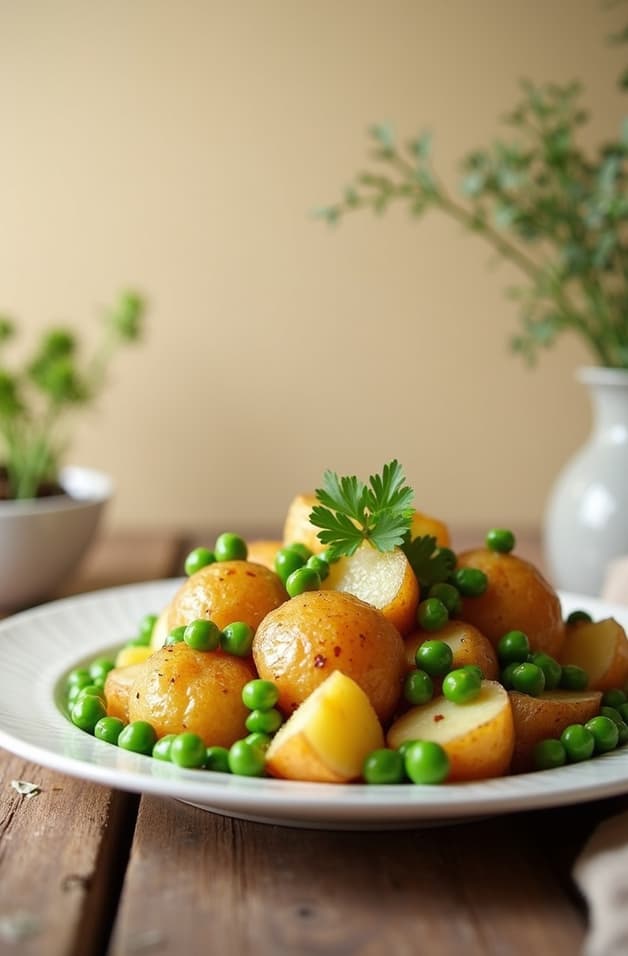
<point x="444" y="598"/>
<point x="299" y="569"/>
<point x="246" y="757"/>
<point x="203" y="635"/>
<point x="228" y="547"/>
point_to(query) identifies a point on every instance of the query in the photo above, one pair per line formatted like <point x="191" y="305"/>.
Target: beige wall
<point x="180" y="147"/>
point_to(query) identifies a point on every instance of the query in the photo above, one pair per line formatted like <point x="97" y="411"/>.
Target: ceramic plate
<point x="40" y="646"/>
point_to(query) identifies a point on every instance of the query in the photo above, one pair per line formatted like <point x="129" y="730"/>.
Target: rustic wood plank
<point x="240" y="888"/>
<point x="51" y="854"/>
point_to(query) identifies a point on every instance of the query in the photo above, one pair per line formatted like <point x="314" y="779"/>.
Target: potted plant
<point x="49" y="514"/>
<point x="559" y="214"/>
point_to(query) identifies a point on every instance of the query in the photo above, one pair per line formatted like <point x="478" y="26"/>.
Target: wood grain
<point x="243" y="888"/>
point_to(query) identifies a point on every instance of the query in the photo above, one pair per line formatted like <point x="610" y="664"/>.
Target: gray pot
<point x="586" y="522"/>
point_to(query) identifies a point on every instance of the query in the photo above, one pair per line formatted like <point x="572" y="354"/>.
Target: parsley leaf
<point x="429" y="563"/>
<point x="351" y="512"/>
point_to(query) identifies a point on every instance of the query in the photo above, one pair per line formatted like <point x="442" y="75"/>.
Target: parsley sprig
<point x="351" y="512"/>
<point x="430" y="563"/>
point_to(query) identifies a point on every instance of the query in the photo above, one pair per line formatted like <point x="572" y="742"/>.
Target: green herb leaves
<point x="430" y="563"/>
<point x="351" y="512"/>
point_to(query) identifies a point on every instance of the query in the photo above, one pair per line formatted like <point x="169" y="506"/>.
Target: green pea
<point x="202" y="635"/>
<point x="318" y="564"/>
<point x="87" y="711"/>
<point x="550" y="667"/>
<point x="76" y="690"/>
<point x="108" y="729"/>
<point x="258" y="739"/>
<point x="246" y="760"/>
<point x="448" y="595"/>
<point x="426" y="762"/>
<point x="217" y="759"/>
<point x="260" y="694"/>
<point x="578" y="742"/>
<point x="432" y="614"/>
<point x="302" y="549"/>
<point x="237" y="639"/>
<point x="230" y="547"/>
<point x="501" y="540"/>
<point x="139" y="736"/>
<point x="92" y="690"/>
<point x="506" y="675"/>
<point x="605" y="733"/>
<point x="462" y="685"/>
<point x="187" y="750"/>
<point x="147" y="626"/>
<point x="573" y="678"/>
<point x="384" y="766"/>
<point x="161" y="749"/>
<point x="418" y="688"/>
<point x="99" y="668"/>
<point x="301" y="580"/>
<point x="579" y="617"/>
<point x="79" y="677"/>
<point x="623" y="711"/>
<point x="434" y="657"/>
<point x="618" y="719"/>
<point x="471" y="582"/>
<point x="528" y="679"/>
<point x="177" y="634"/>
<point x="614" y="698"/>
<point x="264" y="721"/>
<point x="549" y="754"/>
<point x="287" y="560"/>
<point x="403" y="747"/>
<point x="197" y="559"/>
<point x="513" y="646"/>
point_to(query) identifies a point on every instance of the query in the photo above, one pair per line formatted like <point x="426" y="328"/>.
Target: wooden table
<point x="85" y="870"/>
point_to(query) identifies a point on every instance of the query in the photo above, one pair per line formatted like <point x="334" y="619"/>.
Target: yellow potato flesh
<point x="381" y="578"/>
<point x="160" y="630"/>
<point x="601" y="649"/>
<point x="328" y="738"/>
<point x="297" y="527"/>
<point x="478" y="736"/>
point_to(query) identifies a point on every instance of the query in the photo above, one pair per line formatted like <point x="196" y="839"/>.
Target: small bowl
<point x="43" y="539"/>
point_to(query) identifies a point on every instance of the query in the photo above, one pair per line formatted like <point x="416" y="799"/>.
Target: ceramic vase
<point x="586" y="523"/>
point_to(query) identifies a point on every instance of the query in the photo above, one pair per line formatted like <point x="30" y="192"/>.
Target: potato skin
<point x="539" y="718"/>
<point x="118" y="683"/>
<point x="302" y="642"/>
<point x="517" y="598"/>
<point x="179" y="689"/>
<point x="264" y="551"/>
<point x="225" y="592"/>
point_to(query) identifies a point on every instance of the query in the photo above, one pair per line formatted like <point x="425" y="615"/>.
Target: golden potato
<point x="297" y="525"/>
<point x="329" y="736"/>
<point x="384" y="579"/>
<point x="161" y="629"/>
<point x="601" y="649"/>
<point x="300" y="643"/>
<point x="423" y="524"/>
<point x="478" y="736"/>
<point x="467" y="644"/>
<point x="263" y="552"/>
<point x="118" y="683"/>
<point x="517" y="598"/>
<point x="538" y="718"/>
<point x="225" y="592"/>
<point x="179" y="689"/>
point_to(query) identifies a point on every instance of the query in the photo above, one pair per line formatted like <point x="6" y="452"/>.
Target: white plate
<point x="40" y="646"/>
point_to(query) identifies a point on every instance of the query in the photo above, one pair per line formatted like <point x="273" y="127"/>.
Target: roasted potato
<point x="539" y="718"/>
<point x="517" y="598"/>
<point x="601" y="649"/>
<point x="225" y="592"/>
<point x="302" y="642"/>
<point x="467" y="644"/>
<point x="384" y="579"/>
<point x="478" y="737"/>
<point x="423" y="524"/>
<point x="118" y="683"/>
<point x="297" y="527"/>
<point x="179" y="689"/>
<point x="263" y="552"/>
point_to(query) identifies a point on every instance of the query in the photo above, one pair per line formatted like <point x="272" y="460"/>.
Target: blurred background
<point x="180" y="149"/>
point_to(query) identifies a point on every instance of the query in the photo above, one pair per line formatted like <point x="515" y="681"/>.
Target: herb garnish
<point x="351" y="512"/>
<point x="430" y="563"/>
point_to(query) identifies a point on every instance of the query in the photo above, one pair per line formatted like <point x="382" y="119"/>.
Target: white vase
<point x="586" y="523"/>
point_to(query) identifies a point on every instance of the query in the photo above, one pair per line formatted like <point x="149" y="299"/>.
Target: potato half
<point x="478" y="737"/>
<point x="301" y="643"/>
<point x="297" y="527"/>
<point x="384" y="579"/>
<point x="539" y="718"/>
<point x="601" y="649"/>
<point x="329" y="736"/>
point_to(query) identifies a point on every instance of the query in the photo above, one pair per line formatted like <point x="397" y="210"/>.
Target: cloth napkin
<point x="601" y="870"/>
